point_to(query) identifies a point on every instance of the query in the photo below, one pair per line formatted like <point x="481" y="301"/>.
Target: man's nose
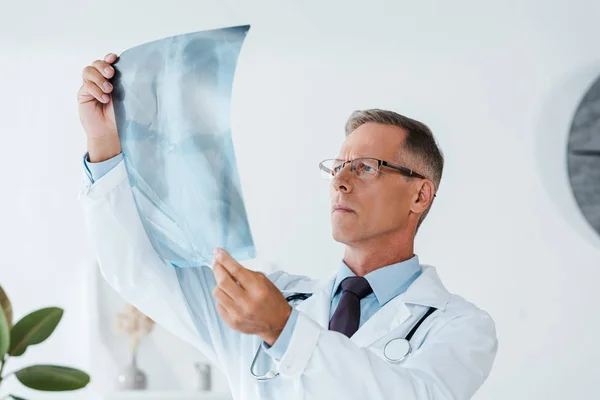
<point x="342" y="181"/>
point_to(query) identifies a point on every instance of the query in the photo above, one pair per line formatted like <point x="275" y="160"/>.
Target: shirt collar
<point x="387" y="282"/>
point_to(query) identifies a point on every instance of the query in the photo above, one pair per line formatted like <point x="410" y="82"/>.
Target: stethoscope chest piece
<point x="396" y="350"/>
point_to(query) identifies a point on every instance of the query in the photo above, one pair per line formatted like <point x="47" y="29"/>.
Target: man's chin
<point x="343" y="235"/>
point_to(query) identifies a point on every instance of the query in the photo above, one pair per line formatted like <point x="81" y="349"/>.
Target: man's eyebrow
<point x="353" y="158"/>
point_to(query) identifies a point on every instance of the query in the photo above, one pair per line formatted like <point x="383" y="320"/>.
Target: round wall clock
<point x="583" y="157"/>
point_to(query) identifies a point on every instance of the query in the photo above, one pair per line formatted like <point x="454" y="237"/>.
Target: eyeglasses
<point x="363" y="168"/>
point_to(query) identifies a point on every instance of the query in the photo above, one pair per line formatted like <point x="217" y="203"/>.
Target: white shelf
<point x="167" y="361"/>
<point x="149" y="395"/>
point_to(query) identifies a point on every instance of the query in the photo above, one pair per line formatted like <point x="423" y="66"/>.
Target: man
<point x="383" y="326"/>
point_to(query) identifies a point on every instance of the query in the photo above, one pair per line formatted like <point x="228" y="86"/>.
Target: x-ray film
<point x="172" y="106"/>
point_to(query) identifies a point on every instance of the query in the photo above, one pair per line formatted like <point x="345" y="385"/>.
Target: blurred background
<point x="498" y="83"/>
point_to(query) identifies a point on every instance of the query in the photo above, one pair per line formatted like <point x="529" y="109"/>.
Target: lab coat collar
<point x="427" y="290"/>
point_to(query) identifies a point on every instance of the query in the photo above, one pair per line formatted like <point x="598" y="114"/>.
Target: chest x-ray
<point x="172" y="106"/>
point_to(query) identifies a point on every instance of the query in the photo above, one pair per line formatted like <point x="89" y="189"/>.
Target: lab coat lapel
<point x="426" y="290"/>
<point x="388" y="318"/>
<point x="317" y="306"/>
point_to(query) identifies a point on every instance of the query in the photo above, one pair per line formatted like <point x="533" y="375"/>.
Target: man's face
<point x="380" y="205"/>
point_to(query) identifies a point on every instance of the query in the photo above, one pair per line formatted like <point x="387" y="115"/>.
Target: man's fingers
<point x="91" y="74"/>
<point x="238" y="272"/>
<point x="95" y="80"/>
<point x="226" y="282"/>
<point x="110" y="58"/>
<point x="223" y="298"/>
<point x="223" y="312"/>
<point x="90" y="91"/>
<point x="107" y="70"/>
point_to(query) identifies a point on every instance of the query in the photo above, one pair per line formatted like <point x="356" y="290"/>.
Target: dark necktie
<point x="346" y="317"/>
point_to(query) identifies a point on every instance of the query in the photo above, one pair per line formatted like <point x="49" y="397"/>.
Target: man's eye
<point x="362" y="167"/>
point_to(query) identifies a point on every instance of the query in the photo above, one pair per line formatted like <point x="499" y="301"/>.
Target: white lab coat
<point x="453" y="350"/>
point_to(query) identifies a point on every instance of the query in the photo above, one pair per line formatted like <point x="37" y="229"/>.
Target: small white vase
<point x="204" y="377"/>
<point x="131" y="377"/>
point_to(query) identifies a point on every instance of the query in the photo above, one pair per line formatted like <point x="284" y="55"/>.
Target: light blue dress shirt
<point x="387" y="282"/>
<point x="96" y="171"/>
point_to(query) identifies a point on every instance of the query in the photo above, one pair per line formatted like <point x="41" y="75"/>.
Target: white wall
<point x="497" y="82"/>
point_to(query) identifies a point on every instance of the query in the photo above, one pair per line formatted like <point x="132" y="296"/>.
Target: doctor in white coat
<point x="381" y="327"/>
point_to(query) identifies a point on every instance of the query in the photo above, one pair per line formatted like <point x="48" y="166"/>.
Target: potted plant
<point x="33" y="329"/>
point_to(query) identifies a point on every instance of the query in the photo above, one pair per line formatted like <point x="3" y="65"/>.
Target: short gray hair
<point x="420" y="142"/>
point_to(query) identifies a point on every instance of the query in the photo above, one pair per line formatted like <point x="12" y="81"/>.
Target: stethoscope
<point x="272" y="374"/>
<point x="394" y="351"/>
<point x="398" y="349"/>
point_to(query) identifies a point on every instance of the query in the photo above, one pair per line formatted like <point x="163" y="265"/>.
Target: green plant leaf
<point x="6" y="306"/>
<point x="17" y="398"/>
<point x="52" y="378"/>
<point x="33" y="329"/>
<point x="4" y="335"/>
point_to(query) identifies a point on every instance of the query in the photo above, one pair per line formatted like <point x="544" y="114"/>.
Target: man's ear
<point x="424" y="196"/>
